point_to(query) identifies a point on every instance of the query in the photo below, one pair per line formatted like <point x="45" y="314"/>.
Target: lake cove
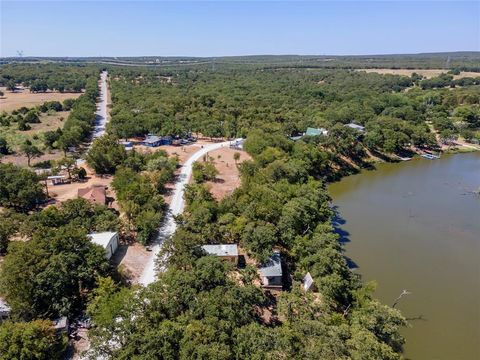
<point x="416" y="226"/>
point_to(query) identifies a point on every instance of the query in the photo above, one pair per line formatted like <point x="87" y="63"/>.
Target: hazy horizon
<point x="220" y="29"/>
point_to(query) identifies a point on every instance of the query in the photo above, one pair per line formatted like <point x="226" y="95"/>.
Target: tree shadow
<point x="343" y="236"/>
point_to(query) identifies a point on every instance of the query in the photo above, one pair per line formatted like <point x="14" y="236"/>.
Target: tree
<point x="11" y="86"/>
<point x="4" y="148"/>
<point x="260" y="240"/>
<point x="69" y="138"/>
<point x="236" y="157"/>
<point x="31" y="340"/>
<point x="9" y="225"/>
<point x="66" y="163"/>
<point x="19" y="188"/>
<point x="30" y="151"/>
<point x="52" y="274"/>
<point x="448" y="136"/>
<point x="106" y="154"/>
<point x="31" y="117"/>
<point x="204" y="171"/>
<point x="51" y="137"/>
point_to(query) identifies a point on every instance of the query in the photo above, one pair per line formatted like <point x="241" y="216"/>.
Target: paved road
<point x="176" y="207"/>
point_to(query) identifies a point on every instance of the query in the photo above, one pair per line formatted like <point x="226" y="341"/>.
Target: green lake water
<point x="416" y="226"/>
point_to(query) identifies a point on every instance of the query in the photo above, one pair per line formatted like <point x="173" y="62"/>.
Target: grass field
<point x="428" y="73"/>
<point x="16" y="137"/>
<point x="23" y="97"/>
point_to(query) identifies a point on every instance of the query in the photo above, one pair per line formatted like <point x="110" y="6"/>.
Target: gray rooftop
<point x="221" y="249"/>
<point x="152" y="139"/>
<point x="273" y="267"/>
<point x="356" y="126"/>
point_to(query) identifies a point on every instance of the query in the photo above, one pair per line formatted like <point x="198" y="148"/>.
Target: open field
<point x="16" y="137"/>
<point x="23" y="97"/>
<point x="428" y="73"/>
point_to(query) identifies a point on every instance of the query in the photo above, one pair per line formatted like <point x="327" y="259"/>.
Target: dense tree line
<point x="79" y="124"/>
<point x="230" y="102"/>
<point x="43" y="77"/>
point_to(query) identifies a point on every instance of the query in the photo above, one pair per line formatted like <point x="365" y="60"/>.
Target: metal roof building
<point x="356" y="127"/>
<point x="221" y="249"/>
<point x="316" y="131"/>
<point x="271" y="272"/>
<point x="108" y="240"/>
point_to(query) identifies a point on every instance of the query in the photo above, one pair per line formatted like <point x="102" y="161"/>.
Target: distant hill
<point x="463" y="60"/>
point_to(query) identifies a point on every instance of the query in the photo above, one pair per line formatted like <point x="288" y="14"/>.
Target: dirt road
<point x="101" y="114"/>
<point x="176" y="207"/>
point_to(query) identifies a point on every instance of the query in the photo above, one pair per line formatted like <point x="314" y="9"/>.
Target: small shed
<point x="57" y="179"/>
<point x="4" y="309"/>
<point x="108" y="240"/>
<point x="316" y="132"/>
<point x="357" y="127"/>
<point x="94" y="194"/>
<point x="308" y="282"/>
<point x="271" y="272"/>
<point x="227" y="252"/>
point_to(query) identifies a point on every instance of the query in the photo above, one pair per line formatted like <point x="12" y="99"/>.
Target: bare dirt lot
<point x="228" y="178"/>
<point x="23" y="97"/>
<point x="428" y="73"/>
<point x="131" y="259"/>
<point x="69" y="191"/>
<point x="21" y="160"/>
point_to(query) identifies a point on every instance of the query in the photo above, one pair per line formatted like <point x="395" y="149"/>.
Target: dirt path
<point x="176" y="207"/>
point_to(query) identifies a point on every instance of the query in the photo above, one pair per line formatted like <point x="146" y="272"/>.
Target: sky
<point x="227" y="28"/>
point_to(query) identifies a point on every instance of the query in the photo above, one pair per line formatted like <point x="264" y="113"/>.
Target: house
<point x="271" y="272"/>
<point x="359" y="128"/>
<point x="316" y="132"/>
<point x="57" y="179"/>
<point x="311" y="132"/>
<point x="61" y="325"/>
<point x="4" y="309"/>
<point x="154" y="141"/>
<point x="227" y="252"/>
<point x="108" y="240"/>
<point x="94" y="194"/>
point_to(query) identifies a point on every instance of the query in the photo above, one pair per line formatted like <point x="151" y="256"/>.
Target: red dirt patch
<point x="228" y="178"/>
